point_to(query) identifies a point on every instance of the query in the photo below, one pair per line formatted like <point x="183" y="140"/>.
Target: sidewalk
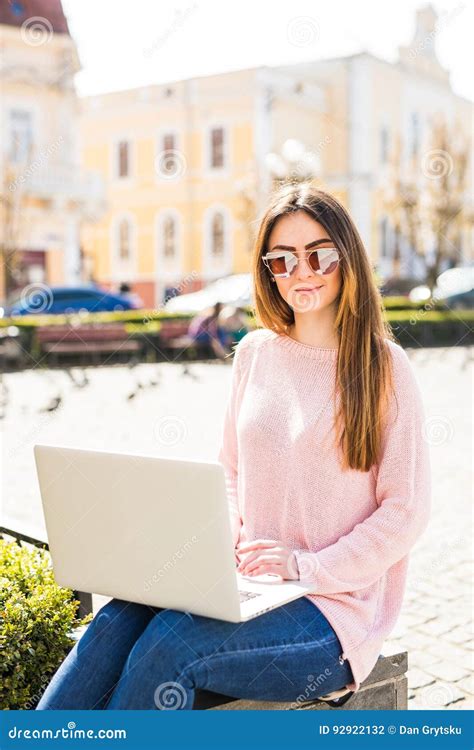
<point x="165" y="415"/>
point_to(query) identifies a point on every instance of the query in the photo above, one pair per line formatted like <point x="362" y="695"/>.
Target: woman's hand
<point x="267" y="556"/>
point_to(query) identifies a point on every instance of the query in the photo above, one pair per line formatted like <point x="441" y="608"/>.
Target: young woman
<point x="328" y="481"/>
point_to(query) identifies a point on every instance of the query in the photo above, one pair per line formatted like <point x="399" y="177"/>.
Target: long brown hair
<point x="363" y="374"/>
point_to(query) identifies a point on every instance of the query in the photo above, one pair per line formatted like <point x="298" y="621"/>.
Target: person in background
<point x="125" y="290"/>
<point x="205" y="329"/>
<point x="233" y="320"/>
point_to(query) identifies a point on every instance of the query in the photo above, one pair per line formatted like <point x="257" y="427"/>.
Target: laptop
<point x="151" y="530"/>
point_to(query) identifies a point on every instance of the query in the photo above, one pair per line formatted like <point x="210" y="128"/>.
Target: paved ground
<point x="159" y="409"/>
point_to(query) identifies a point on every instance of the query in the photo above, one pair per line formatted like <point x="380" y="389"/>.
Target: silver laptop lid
<point x="147" y="529"/>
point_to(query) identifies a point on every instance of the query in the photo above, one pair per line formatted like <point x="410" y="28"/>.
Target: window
<point x="170" y="162"/>
<point x="384" y="145"/>
<point x="169" y="237"/>
<point x="123" y="245"/>
<point x="21" y="135"/>
<point x="123" y="159"/>
<point x="124" y="240"/>
<point x="169" y="142"/>
<point x="217" y="241"/>
<point x="217" y="236"/>
<point x="217" y="148"/>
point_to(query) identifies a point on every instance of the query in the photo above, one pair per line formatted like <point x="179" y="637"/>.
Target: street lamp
<point x="295" y="161"/>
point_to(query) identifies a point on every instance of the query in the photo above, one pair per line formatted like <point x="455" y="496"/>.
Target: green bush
<point x="36" y="619"/>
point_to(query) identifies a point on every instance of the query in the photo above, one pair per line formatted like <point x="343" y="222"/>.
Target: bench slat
<point x="91" y="346"/>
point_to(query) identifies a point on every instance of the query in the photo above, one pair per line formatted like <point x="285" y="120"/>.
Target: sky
<point x="125" y="44"/>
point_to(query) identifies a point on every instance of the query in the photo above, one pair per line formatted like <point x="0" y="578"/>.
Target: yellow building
<point x="184" y="166"/>
<point x="188" y="164"/>
<point x="43" y="197"/>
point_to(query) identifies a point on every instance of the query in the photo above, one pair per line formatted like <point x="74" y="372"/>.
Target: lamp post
<point x="295" y="163"/>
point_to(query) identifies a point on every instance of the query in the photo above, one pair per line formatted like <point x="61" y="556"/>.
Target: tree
<point x="425" y="200"/>
<point x="446" y="212"/>
<point x="401" y="202"/>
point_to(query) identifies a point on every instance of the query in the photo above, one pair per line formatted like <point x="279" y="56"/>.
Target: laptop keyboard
<point x="246" y="595"/>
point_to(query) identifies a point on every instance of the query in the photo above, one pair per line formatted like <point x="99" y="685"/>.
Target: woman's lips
<point x="308" y="289"/>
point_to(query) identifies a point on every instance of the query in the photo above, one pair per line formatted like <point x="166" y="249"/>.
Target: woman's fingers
<point x="267" y="568"/>
<point x="257" y="544"/>
<point x="260" y="561"/>
<point x="250" y="557"/>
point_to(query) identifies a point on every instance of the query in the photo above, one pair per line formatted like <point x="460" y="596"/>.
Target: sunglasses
<point x="282" y="263"/>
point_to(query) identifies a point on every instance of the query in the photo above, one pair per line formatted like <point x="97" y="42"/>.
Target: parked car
<point x="233" y="290"/>
<point x="454" y="287"/>
<point x="396" y="286"/>
<point x="56" y="300"/>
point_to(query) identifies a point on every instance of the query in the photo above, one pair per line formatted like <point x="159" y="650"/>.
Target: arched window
<point x="217" y="147"/>
<point x="123" y="159"/>
<point x="217" y="241"/>
<point x="168" y="244"/>
<point x="217" y="235"/>
<point x="124" y="240"/>
<point x="169" y="237"/>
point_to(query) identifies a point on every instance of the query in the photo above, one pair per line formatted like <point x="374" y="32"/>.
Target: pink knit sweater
<point x="351" y="530"/>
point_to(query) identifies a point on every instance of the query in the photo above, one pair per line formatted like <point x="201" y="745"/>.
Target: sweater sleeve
<point x="228" y="451"/>
<point x="403" y="495"/>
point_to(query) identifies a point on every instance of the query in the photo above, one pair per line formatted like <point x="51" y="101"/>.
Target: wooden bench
<point x="86" y="341"/>
<point x="174" y="337"/>
<point x="386" y="687"/>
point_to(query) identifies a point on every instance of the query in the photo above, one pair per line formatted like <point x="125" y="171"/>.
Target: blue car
<point x="42" y="299"/>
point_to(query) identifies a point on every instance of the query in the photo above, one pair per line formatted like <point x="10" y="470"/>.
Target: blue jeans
<point x="137" y="657"/>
